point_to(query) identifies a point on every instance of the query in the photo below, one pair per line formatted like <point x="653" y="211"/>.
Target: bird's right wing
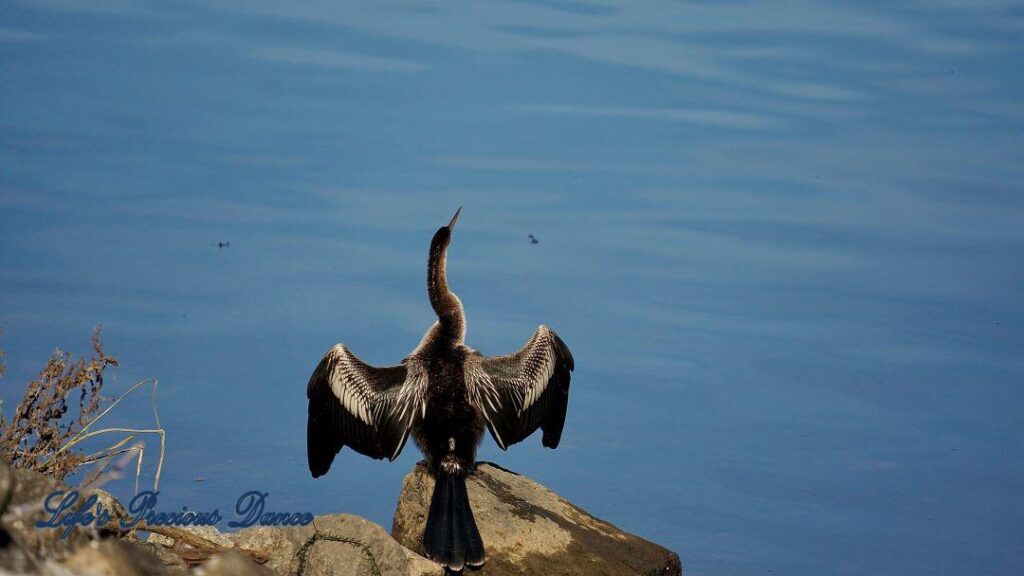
<point x="521" y="392"/>
<point x="352" y="403"/>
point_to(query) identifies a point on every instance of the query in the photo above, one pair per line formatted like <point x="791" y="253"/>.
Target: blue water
<point x="783" y="244"/>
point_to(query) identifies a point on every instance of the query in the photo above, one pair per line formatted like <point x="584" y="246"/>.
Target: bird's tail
<point x="451" y="537"/>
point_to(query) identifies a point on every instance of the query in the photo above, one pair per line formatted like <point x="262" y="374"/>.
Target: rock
<point x="208" y="533"/>
<point x="173" y="563"/>
<point x="232" y="563"/>
<point x="6" y="485"/>
<point x="112" y="557"/>
<point x="183" y="546"/>
<point x="13" y="558"/>
<point x="343" y="544"/>
<point x="107" y="501"/>
<point x="334" y="544"/>
<point x="26" y="549"/>
<point x="528" y="529"/>
<point x="22" y="545"/>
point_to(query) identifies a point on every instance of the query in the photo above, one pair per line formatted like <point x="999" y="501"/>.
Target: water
<point x="783" y="244"/>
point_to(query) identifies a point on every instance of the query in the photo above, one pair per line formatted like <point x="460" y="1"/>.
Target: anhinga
<point x="444" y="393"/>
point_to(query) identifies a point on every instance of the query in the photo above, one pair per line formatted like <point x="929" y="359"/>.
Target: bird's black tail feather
<point x="451" y="537"/>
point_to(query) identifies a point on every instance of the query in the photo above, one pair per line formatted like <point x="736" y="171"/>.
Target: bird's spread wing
<point x="354" y="404"/>
<point x="524" y="391"/>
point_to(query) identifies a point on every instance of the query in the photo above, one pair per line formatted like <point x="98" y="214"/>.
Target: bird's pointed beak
<point x="451" y="225"/>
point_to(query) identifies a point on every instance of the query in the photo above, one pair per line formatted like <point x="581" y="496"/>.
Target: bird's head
<point x="443" y="236"/>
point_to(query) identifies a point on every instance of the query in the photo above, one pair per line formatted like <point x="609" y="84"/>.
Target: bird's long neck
<point x="446" y="304"/>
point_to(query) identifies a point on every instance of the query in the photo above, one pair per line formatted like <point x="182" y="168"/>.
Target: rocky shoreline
<point x="527" y="528"/>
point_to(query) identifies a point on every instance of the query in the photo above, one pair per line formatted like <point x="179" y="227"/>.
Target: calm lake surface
<point x="783" y="244"/>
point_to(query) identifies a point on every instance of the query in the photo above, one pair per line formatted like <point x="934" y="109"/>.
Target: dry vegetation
<point x="58" y="412"/>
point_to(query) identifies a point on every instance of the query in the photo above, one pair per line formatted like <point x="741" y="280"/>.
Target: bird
<point x="533" y="239"/>
<point x="444" y="394"/>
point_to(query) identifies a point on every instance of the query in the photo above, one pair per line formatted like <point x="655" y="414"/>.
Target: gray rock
<point x="528" y="529"/>
<point x="6" y="485"/>
<point x="112" y="557"/>
<point x="22" y="545"/>
<point x="107" y="500"/>
<point x="12" y="557"/>
<point x="334" y="544"/>
<point x="172" y="563"/>
<point x="26" y="549"/>
<point x="232" y="563"/>
<point x="209" y="533"/>
<point x="192" y="545"/>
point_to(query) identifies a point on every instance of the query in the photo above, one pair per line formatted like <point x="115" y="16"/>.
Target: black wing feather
<point x="521" y="392"/>
<point x="354" y="404"/>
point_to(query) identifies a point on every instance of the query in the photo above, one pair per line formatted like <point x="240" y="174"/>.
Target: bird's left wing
<point x="368" y="408"/>
<point x="521" y="392"/>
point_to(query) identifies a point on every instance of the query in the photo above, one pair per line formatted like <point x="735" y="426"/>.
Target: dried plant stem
<point x="204" y="547"/>
<point x="84" y="434"/>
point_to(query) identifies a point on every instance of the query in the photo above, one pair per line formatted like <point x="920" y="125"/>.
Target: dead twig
<point x="201" y="548"/>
